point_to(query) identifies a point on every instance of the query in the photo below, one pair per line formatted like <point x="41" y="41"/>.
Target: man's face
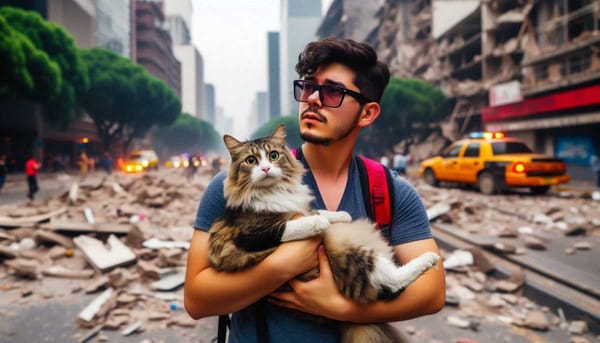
<point x="325" y="125"/>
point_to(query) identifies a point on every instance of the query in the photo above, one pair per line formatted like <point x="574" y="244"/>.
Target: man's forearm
<point x="212" y="293"/>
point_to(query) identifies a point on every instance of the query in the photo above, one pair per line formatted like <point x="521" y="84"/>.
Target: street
<point x="541" y="251"/>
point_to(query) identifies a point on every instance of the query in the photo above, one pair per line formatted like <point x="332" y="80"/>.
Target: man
<point x="342" y="82"/>
<point x="399" y="163"/>
<point x="595" y="164"/>
<point x="31" y="169"/>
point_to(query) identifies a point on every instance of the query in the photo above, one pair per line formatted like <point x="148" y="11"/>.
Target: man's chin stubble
<point x="315" y="140"/>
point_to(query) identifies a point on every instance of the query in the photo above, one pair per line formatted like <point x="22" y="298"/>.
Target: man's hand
<point x="319" y="296"/>
<point x="296" y="257"/>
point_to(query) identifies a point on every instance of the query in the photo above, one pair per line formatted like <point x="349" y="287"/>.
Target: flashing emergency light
<point x="487" y="135"/>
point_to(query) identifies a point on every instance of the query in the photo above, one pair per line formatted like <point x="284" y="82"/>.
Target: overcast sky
<point x="231" y="36"/>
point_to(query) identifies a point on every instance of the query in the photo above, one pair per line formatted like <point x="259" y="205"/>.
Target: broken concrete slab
<point x="437" y="210"/>
<point x="60" y="271"/>
<point x="102" y="257"/>
<point x="66" y="226"/>
<point x="132" y="328"/>
<point x="89" y="215"/>
<point x="42" y="236"/>
<point x="90" y="311"/>
<point x="30" y="220"/>
<point x="154" y="243"/>
<point x="169" y="281"/>
<point x="24" y="268"/>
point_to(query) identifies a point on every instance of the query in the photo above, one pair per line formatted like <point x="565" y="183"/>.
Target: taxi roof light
<point x="487" y="135"/>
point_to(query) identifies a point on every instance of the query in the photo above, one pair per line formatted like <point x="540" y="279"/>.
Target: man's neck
<point x="332" y="160"/>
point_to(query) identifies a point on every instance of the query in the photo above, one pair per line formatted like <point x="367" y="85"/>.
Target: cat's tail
<point x="371" y="333"/>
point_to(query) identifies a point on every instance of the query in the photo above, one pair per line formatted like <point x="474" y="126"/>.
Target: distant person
<point x="399" y="163"/>
<point x="107" y="163"/>
<point x="595" y="164"/>
<point x="385" y="161"/>
<point x="31" y="169"/>
<point x="2" y="170"/>
<point x="92" y="163"/>
<point x="83" y="164"/>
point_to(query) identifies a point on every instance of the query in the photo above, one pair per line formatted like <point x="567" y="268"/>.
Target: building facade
<point x="299" y="22"/>
<point x="273" y="68"/>
<point x="113" y="22"/>
<point x="179" y="23"/>
<point x="211" y="110"/>
<point x="353" y="19"/>
<point x="154" y="45"/>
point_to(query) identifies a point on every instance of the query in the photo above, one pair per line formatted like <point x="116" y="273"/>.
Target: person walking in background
<point x="2" y="170"/>
<point x="107" y="163"/>
<point x="595" y="164"/>
<point x="399" y="163"/>
<point x="92" y="163"/>
<point x="83" y="165"/>
<point x="31" y="169"/>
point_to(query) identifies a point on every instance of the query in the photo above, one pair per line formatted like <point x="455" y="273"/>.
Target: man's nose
<point x="315" y="99"/>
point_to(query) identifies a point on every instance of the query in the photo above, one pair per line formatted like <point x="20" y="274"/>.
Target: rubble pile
<point x="122" y="238"/>
<point x="533" y="220"/>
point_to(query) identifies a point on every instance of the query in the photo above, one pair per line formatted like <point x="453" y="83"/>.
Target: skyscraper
<point x="273" y="68"/>
<point x="179" y="23"/>
<point x="299" y="22"/>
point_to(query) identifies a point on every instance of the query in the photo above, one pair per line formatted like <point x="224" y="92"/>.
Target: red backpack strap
<point x="377" y="185"/>
<point x="294" y="152"/>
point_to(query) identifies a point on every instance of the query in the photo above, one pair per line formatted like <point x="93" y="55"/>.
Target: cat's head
<point x="261" y="163"/>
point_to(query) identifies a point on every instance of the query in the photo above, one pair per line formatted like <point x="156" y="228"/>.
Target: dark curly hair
<point x="372" y="76"/>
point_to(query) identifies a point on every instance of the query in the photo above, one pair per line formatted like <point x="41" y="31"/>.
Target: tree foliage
<point x="25" y="71"/>
<point x="292" y="139"/>
<point x="408" y="107"/>
<point x="64" y="106"/>
<point x="187" y="134"/>
<point x="123" y="99"/>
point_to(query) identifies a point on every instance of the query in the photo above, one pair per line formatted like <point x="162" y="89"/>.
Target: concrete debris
<point x="91" y="334"/>
<point x="154" y="243"/>
<point x="90" y="311"/>
<point x="132" y="328"/>
<point x="24" y="268"/>
<point x="578" y="327"/>
<point x="537" y="320"/>
<point x="102" y="257"/>
<point x="60" y="271"/>
<point x="437" y="210"/>
<point x="169" y="281"/>
<point x="6" y="221"/>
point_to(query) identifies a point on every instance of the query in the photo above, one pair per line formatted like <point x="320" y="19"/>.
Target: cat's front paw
<point x="336" y="216"/>
<point x="428" y="260"/>
<point x="319" y="223"/>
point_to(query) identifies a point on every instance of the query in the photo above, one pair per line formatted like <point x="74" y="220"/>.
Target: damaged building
<point x="528" y="68"/>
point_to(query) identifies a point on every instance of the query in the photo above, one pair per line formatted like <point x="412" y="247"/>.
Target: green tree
<point x="123" y="99"/>
<point x="187" y="134"/>
<point x="292" y="139"/>
<point x="60" y="47"/>
<point x="25" y="71"/>
<point x="408" y="107"/>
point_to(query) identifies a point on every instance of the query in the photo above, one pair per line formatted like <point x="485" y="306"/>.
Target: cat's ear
<point x="279" y="134"/>
<point x="232" y="144"/>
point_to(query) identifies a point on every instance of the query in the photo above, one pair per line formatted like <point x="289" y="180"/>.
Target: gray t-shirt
<point x="409" y="223"/>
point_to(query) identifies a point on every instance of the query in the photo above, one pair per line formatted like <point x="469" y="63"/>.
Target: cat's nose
<point x="266" y="169"/>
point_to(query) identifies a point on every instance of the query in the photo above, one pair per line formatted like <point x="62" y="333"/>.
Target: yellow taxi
<point x="141" y="160"/>
<point x="493" y="162"/>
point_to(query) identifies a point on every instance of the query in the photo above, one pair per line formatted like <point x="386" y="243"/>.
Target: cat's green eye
<point x="251" y="160"/>
<point x="273" y="155"/>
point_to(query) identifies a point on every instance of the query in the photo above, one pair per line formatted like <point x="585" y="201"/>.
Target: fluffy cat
<point x="264" y="193"/>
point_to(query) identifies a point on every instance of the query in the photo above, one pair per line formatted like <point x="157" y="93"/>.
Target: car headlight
<point x="144" y="163"/>
<point x="129" y="168"/>
<point x="139" y="168"/>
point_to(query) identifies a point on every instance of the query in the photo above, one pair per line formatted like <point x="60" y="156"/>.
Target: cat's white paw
<point x="319" y="223"/>
<point x="428" y="260"/>
<point x="336" y="216"/>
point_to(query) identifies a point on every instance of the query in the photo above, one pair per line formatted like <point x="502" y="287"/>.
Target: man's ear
<point x="369" y="113"/>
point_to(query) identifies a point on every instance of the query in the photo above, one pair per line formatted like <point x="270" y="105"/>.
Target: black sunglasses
<point x="329" y="95"/>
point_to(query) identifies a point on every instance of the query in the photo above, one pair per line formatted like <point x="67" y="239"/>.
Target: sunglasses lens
<point x="302" y="90"/>
<point x="332" y="96"/>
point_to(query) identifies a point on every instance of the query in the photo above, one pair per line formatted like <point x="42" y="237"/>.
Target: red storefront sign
<point x="580" y="97"/>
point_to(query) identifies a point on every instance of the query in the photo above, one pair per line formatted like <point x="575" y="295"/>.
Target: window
<point x="503" y="148"/>
<point x="472" y="150"/>
<point x="453" y="151"/>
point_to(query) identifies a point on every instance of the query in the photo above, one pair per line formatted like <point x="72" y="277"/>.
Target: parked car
<point x="493" y="162"/>
<point x="140" y="160"/>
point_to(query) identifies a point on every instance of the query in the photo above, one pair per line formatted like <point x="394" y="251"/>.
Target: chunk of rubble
<point x="102" y="257"/>
<point x="154" y="243"/>
<point x="576" y="230"/>
<point x="60" y="271"/>
<point x="458" y="322"/>
<point x="582" y="246"/>
<point x="133" y="328"/>
<point x="51" y="237"/>
<point x="30" y="220"/>
<point x="506" y="286"/>
<point x="437" y="210"/>
<point x="537" y="320"/>
<point x="24" y="268"/>
<point x="169" y="281"/>
<point x="578" y="327"/>
<point x="505" y="247"/>
<point x="534" y="243"/>
<point x="92" y="309"/>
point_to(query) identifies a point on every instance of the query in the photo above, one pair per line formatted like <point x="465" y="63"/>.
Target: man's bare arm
<point x="208" y="292"/>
